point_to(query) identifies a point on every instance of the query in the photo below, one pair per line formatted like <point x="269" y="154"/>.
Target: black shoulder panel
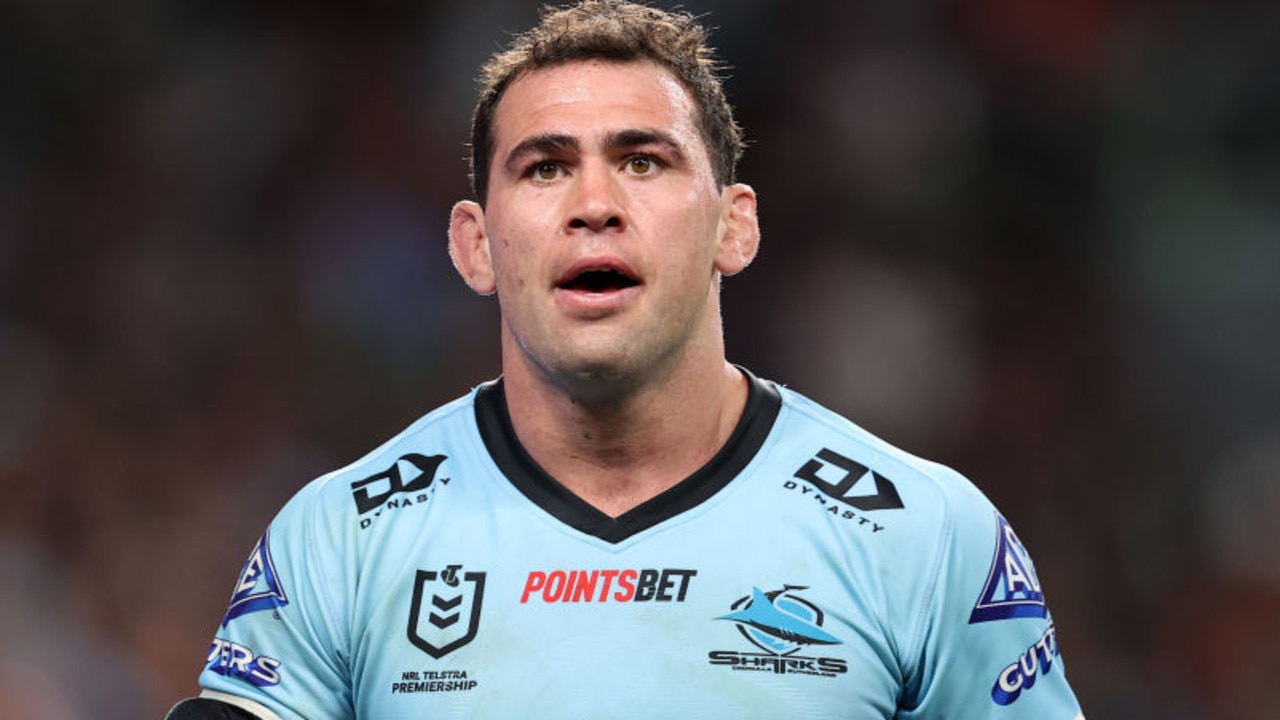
<point x="208" y="709"/>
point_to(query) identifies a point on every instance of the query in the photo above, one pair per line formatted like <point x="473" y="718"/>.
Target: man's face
<point x="604" y="229"/>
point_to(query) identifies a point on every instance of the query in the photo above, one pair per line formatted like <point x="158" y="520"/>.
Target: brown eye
<point x="547" y="171"/>
<point x="640" y="165"/>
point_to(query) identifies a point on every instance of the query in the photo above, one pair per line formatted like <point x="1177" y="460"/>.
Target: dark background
<point x="1035" y="240"/>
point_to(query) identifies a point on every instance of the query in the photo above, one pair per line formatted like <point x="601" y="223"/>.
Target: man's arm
<point x="208" y="709"/>
<point x="214" y="705"/>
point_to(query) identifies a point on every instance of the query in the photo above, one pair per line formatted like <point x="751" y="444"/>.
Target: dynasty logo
<point x="781" y="624"/>
<point x="405" y="483"/>
<point x="840" y="486"/>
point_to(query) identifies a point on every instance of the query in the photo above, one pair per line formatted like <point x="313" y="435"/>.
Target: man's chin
<point x="601" y="379"/>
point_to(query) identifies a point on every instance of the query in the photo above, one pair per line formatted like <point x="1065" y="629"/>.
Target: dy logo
<point x="851" y="473"/>
<point x="375" y="490"/>
<point x="445" y="612"/>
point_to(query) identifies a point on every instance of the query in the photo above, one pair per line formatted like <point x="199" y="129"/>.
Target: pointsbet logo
<point x="602" y="586"/>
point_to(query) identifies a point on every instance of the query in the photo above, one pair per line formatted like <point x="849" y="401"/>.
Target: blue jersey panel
<point x="811" y="570"/>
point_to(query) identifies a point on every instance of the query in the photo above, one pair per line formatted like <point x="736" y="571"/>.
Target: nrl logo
<point x="445" y="612"/>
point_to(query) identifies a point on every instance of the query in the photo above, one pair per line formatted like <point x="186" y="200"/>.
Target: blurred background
<point x="1037" y="240"/>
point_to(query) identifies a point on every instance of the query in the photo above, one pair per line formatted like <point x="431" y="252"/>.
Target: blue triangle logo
<point x="1012" y="589"/>
<point x="258" y="587"/>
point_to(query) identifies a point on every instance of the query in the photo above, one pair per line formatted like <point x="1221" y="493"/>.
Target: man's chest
<point x="531" y="623"/>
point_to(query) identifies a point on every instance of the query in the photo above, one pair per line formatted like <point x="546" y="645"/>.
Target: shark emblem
<point x="779" y="621"/>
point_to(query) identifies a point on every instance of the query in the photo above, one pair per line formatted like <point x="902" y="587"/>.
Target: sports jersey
<point x="809" y="570"/>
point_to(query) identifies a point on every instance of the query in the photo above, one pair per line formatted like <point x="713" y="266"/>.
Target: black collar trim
<point x="763" y="404"/>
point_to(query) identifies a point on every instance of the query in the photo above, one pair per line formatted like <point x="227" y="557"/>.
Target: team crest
<point x="779" y="621"/>
<point x="259" y="586"/>
<point x="1012" y="589"/>
<point x="782" y="624"/>
<point x="445" y="612"/>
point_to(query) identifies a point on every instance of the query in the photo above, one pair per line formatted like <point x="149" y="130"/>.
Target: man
<point x="625" y="524"/>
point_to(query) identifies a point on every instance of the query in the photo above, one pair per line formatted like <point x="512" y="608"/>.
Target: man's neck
<point x="619" y="452"/>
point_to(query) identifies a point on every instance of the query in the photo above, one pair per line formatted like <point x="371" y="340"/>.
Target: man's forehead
<point x="594" y="96"/>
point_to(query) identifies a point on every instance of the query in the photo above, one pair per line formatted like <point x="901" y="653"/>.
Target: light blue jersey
<point x="810" y="570"/>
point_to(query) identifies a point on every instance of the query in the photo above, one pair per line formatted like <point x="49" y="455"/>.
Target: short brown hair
<point x="620" y="31"/>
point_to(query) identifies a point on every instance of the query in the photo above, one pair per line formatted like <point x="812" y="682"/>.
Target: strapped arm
<point x="213" y="705"/>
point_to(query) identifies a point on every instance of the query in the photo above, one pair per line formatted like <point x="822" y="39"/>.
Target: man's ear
<point x="739" y="229"/>
<point x="469" y="247"/>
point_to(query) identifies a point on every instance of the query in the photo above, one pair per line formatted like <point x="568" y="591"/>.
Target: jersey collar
<point x="763" y="404"/>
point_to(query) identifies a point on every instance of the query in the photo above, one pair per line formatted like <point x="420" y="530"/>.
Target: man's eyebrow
<point x="545" y="144"/>
<point x="624" y="139"/>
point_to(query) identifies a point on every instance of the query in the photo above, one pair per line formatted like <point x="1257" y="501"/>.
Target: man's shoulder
<point x="857" y="467"/>
<point x="900" y="505"/>
<point x="396" y="470"/>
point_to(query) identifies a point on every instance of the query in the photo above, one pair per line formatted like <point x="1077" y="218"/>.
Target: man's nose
<point x="597" y="202"/>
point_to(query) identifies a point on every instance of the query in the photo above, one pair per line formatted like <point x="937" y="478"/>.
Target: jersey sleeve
<point x="280" y="647"/>
<point x="987" y="646"/>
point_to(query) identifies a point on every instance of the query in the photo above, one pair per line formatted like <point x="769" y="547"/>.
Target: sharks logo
<point x="259" y="586"/>
<point x="781" y="623"/>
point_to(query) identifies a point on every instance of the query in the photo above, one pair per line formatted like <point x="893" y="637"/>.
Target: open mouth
<point x="599" y="281"/>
